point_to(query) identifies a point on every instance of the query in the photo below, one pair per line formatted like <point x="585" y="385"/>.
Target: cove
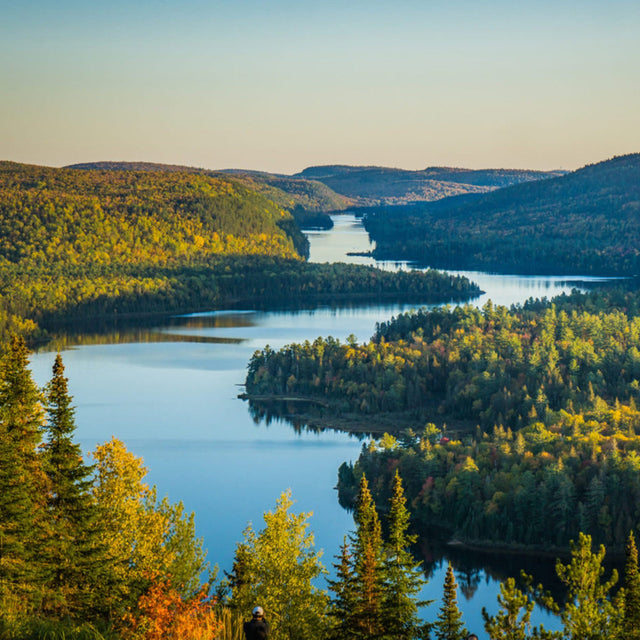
<point x="170" y="394"/>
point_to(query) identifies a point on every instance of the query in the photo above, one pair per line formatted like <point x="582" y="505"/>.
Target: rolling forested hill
<point x="384" y="185"/>
<point x="306" y="199"/>
<point x="585" y="222"/>
<point x="86" y="244"/>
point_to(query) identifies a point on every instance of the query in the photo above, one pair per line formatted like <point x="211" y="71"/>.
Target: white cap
<point x="258" y="611"/>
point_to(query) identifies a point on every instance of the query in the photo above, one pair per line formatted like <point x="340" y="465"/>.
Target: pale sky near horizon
<point x="282" y="85"/>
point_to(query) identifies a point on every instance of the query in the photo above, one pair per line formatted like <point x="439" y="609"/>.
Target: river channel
<point x="170" y="394"/>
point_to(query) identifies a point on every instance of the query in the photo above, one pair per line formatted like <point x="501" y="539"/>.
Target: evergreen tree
<point x="344" y="598"/>
<point x="513" y="620"/>
<point x="404" y="577"/>
<point x="589" y="613"/>
<point x="22" y="482"/>
<point x="631" y="623"/>
<point x="449" y="625"/>
<point x="74" y="551"/>
<point x="368" y="611"/>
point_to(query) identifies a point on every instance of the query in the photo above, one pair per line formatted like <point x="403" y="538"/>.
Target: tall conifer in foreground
<point x="631" y="622"/>
<point x="589" y="611"/>
<point x="449" y="625"/>
<point x="367" y="614"/>
<point x="22" y="482"/>
<point x="404" y="577"/>
<point x="343" y="601"/>
<point x="74" y="551"/>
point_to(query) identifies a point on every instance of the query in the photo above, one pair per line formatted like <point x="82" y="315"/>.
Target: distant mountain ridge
<point x="338" y="187"/>
<point x="384" y="185"/>
<point x="587" y="221"/>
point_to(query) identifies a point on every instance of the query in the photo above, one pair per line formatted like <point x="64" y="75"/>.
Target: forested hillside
<point x="81" y="244"/>
<point x="585" y="222"/>
<point x="385" y="185"/>
<point x="542" y="401"/>
<point x="307" y="199"/>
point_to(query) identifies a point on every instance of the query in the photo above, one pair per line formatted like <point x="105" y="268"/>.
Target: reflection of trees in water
<point x="147" y="330"/>
<point x="468" y="581"/>
<point x="282" y="412"/>
<point x="299" y="413"/>
<point x="473" y="566"/>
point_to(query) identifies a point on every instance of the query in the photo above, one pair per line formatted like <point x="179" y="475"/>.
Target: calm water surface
<point x="171" y="396"/>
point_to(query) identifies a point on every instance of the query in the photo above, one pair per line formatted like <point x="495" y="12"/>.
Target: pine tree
<point x="368" y="611"/>
<point x="513" y="621"/>
<point x="22" y="482"/>
<point x="631" y="622"/>
<point x="449" y="625"/>
<point x="588" y="612"/>
<point x="74" y="552"/>
<point x="404" y="577"/>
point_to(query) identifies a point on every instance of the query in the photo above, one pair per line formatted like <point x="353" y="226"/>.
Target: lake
<point x="170" y="394"/>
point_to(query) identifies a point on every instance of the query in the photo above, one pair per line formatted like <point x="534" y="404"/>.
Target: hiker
<point x="257" y="628"/>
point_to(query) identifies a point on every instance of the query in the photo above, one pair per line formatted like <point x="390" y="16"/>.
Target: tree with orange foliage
<point x="163" y="614"/>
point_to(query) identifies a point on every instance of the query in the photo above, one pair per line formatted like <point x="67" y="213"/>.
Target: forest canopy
<point x="540" y="401"/>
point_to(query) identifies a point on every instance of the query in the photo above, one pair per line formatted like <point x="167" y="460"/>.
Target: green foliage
<point x="75" y="245"/>
<point x="376" y="585"/>
<point x="404" y="577"/>
<point x="631" y="623"/>
<point x="145" y="537"/>
<point x="513" y="620"/>
<point x="74" y="550"/>
<point x="367" y="616"/>
<point x="449" y="625"/>
<point x="589" y="613"/>
<point x="554" y="395"/>
<point x="23" y="483"/>
<point x="276" y="568"/>
<point x="583" y="222"/>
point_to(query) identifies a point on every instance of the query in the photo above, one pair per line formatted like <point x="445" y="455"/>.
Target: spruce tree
<point x="74" y="552"/>
<point x="449" y="625"/>
<point x="368" y="608"/>
<point x="631" y="621"/>
<point x="344" y="596"/>
<point x="404" y="577"/>
<point x="22" y="482"/>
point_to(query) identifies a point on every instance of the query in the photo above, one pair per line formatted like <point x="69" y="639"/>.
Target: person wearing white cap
<point x="257" y="628"/>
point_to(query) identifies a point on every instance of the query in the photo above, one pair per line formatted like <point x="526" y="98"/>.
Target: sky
<point x="282" y="85"/>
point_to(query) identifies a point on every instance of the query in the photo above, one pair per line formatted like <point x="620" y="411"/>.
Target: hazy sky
<point x="285" y="84"/>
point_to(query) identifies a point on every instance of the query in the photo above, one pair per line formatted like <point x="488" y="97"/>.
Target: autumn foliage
<point x="163" y="614"/>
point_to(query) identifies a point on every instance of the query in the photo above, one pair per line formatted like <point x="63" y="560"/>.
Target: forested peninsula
<point x="591" y="215"/>
<point x="513" y="427"/>
<point x="79" y="245"/>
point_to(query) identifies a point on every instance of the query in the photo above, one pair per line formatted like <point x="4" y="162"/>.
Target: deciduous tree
<point x="276" y="568"/>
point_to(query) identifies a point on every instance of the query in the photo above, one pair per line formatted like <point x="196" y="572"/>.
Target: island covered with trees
<point x="532" y="426"/>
